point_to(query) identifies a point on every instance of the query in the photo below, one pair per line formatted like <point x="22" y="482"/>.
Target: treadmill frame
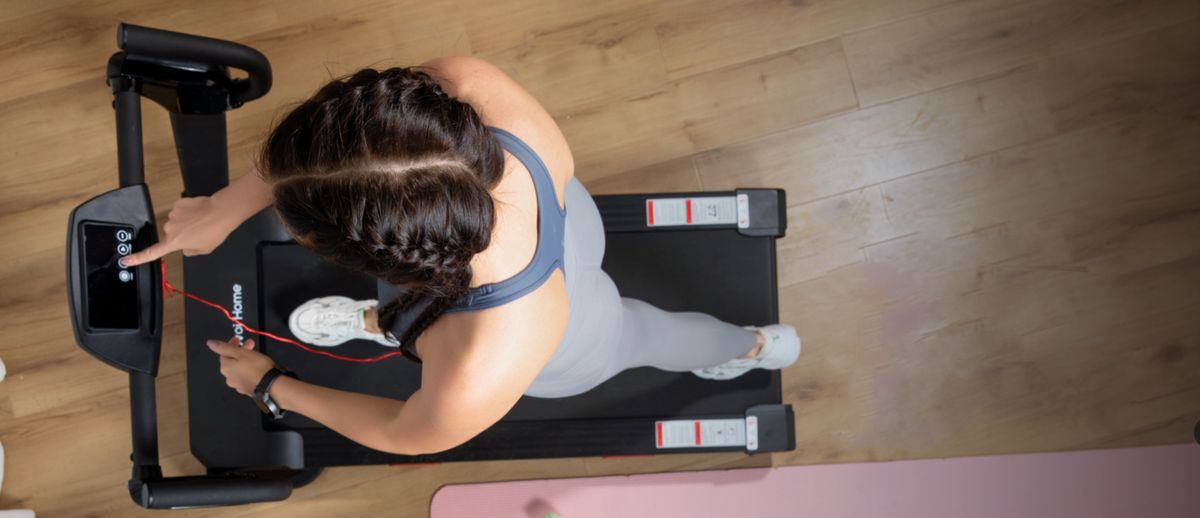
<point x="188" y="76"/>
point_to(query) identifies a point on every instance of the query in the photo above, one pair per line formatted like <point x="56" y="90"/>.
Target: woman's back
<point x="491" y="356"/>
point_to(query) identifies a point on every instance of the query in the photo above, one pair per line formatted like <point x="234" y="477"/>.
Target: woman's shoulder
<point x="501" y="102"/>
<point x="533" y="322"/>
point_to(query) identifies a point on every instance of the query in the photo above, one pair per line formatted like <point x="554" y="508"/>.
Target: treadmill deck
<point x="735" y="281"/>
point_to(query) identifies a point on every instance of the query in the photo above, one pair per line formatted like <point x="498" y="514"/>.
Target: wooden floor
<point x="994" y="209"/>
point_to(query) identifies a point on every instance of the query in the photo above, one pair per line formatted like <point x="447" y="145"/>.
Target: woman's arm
<point x="406" y="428"/>
<point x="244" y="197"/>
<point x="360" y="417"/>
<point x="198" y="225"/>
<point x="475" y="375"/>
<point x="450" y="408"/>
<point x="384" y="424"/>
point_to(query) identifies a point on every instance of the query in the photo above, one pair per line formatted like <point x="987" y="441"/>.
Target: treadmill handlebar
<point x="158" y="43"/>
<point x="183" y="492"/>
<point x="149" y="489"/>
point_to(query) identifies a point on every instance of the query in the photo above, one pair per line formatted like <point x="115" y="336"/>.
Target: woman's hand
<point x="243" y="367"/>
<point x="195" y="226"/>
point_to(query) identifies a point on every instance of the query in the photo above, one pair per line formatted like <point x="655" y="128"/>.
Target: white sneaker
<point x="781" y="347"/>
<point x="330" y="321"/>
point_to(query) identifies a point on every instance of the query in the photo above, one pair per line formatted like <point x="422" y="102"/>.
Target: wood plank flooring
<point x="994" y="209"/>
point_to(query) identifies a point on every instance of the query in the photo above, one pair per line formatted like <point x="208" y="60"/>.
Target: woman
<point x="454" y="184"/>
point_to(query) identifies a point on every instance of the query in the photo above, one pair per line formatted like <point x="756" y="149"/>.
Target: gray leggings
<point x="607" y="334"/>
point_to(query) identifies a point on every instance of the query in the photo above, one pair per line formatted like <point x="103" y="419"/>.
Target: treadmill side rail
<point x="509" y="440"/>
<point x="752" y="212"/>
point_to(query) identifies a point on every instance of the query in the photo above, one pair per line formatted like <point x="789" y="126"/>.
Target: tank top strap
<point x="548" y="255"/>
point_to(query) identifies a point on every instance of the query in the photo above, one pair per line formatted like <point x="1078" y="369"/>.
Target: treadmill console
<point x="116" y="312"/>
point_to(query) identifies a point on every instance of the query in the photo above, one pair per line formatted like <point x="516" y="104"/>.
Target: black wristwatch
<point x="262" y="394"/>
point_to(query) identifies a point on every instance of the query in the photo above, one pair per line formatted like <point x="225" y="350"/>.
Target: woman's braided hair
<point x="382" y="172"/>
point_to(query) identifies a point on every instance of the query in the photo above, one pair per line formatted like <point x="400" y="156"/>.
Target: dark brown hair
<point x="384" y="173"/>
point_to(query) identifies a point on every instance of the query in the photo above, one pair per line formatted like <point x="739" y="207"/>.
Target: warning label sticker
<point x="701" y="433"/>
<point x="670" y="212"/>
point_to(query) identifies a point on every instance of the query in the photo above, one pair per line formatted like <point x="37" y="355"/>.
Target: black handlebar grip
<point x="176" y="45"/>
<point x="177" y="492"/>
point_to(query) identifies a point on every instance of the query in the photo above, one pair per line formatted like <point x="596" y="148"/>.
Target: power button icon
<point x="123" y="235"/>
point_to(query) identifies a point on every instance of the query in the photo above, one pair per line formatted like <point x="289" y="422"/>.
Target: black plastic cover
<point x="768" y="212"/>
<point x="775" y="427"/>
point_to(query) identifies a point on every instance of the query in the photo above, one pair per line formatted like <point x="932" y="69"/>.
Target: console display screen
<point x="112" y="298"/>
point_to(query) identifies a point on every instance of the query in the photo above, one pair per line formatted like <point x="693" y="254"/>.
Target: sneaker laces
<point x="340" y="321"/>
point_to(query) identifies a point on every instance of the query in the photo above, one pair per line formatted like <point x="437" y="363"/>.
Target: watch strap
<point x="264" y="384"/>
<point x="262" y="395"/>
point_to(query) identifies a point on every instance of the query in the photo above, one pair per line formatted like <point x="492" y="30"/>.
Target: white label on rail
<point x="752" y="433"/>
<point x="674" y="212"/>
<point x="701" y="433"/>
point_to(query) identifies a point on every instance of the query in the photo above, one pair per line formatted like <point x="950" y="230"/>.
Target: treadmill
<point x="712" y="252"/>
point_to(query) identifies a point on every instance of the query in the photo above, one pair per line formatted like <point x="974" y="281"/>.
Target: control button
<point x="123" y="249"/>
<point x="125" y="275"/>
<point x="123" y="235"/>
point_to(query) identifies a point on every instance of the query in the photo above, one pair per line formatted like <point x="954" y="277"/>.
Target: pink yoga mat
<point x="1154" y="482"/>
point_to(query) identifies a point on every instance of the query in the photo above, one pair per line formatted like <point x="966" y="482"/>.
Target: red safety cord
<point x="168" y="289"/>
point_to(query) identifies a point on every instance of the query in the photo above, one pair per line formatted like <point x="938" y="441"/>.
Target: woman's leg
<point x="634" y="333"/>
<point x="679" y="341"/>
